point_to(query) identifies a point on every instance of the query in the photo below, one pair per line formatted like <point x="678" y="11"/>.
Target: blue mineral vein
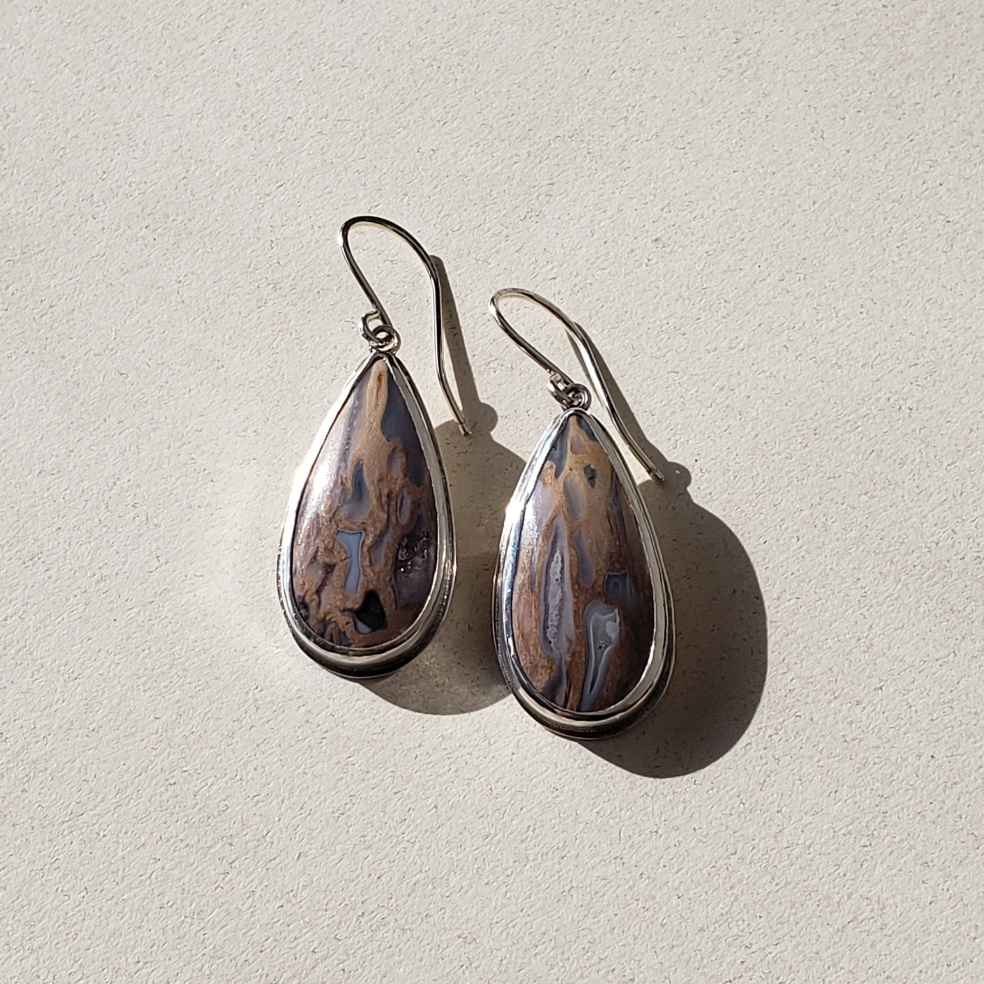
<point x="557" y="611"/>
<point x="397" y="425"/>
<point x="602" y="627"/>
<point x="355" y="503"/>
<point x="351" y="541"/>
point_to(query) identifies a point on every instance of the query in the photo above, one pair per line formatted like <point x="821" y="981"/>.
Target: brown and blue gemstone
<point x="364" y="550"/>
<point x="582" y="596"/>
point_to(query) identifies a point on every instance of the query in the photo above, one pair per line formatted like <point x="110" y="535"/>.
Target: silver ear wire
<point x="565" y="390"/>
<point x="376" y="326"/>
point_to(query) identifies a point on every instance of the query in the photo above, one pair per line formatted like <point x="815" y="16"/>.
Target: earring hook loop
<point x="565" y="390"/>
<point x="377" y="328"/>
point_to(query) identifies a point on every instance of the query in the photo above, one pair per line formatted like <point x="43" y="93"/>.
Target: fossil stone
<point x="364" y="550"/>
<point x="582" y="599"/>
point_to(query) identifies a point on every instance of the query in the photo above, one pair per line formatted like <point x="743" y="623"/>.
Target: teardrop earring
<point x="367" y="559"/>
<point x="583" y="616"/>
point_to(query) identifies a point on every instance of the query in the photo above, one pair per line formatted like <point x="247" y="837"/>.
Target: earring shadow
<point x="721" y="630"/>
<point x="721" y="643"/>
<point x="459" y="671"/>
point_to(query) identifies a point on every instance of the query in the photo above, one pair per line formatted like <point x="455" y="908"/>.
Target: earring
<point x="367" y="558"/>
<point x="583" y="617"/>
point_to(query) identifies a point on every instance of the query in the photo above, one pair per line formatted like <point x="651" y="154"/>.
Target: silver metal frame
<point x="384" y="340"/>
<point x="649" y="689"/>
<point x="352" y="661"/>
<point x="576" y="398"/>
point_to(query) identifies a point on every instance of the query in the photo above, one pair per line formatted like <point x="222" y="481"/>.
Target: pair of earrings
<point x="582" y="613"/>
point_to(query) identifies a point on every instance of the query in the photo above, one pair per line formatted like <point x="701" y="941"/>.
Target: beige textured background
<point x="770" y="219"/>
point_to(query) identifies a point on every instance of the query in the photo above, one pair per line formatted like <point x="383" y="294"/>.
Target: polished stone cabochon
<point x="364" y="549"/>
<point x="582" y="596"/>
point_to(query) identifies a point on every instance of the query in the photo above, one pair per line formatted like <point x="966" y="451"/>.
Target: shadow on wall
<point x="721" y="638"/>
<point x="721" y="635"/>
<point x="721" y="643"/>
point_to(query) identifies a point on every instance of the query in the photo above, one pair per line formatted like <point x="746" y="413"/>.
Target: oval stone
<point x="582" y="595"/>
<point x="364" y="549"/>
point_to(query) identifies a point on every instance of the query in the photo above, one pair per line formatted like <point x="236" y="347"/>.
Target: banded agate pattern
<point x="582" y="598"/>
<point x="364" y="550"/>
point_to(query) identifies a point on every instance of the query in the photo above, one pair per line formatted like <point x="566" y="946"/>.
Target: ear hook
<point x="563" y="389"/>
<point x="382" y="336"/>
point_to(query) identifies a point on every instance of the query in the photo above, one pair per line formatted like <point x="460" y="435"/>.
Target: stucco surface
<point x="768" y="217"/>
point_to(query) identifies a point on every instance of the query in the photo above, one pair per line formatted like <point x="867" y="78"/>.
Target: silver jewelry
<point x="367" y="559"/>
<point x="583" y="616"/>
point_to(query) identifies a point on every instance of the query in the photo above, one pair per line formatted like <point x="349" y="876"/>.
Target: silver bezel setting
<point x="371" y="661"/>
<point x="655" y="678"/>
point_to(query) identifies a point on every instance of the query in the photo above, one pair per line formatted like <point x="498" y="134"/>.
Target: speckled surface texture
<point x="769" y="218"/>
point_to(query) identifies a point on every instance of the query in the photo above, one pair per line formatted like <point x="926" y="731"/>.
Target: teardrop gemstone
<point x="582" y="595"/>
<point x="364" y="549"/>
